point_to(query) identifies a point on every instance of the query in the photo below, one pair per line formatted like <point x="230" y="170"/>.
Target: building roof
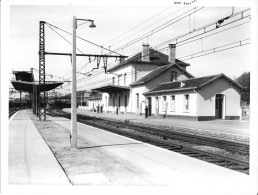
<point x="109" y="88"/>
<point x="156" y="58"/>
<point x="23" y="76"/>
<point x="97" y="96"/>
<point x="158" y="71"/>
<point x="189" y="84"/>
<point x="28" y="86"/>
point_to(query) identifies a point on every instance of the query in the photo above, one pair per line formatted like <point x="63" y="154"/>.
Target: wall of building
<point x="165" y="107"/>
<point x="165" y="77"/>
<point x="93" y="104"/>
<point x="143" y="69"/>
<point x="121" y="71"/>
<point x="207" y="95"/>
<point x="133" y="99"/>
<point x="113" y="101"/>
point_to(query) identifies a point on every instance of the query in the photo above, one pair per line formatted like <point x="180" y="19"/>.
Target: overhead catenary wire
<point x="84" y="39"/>
<point x="133" y="28"/>
<point x="191" y="56"/>
<point x="205" y="26"/>
<point x="163" y="27"/>
<point x="63" y="38"/>
<point x="207" y="35"/>
<point x="118" y="41"/>
<point x="128" y="45"/>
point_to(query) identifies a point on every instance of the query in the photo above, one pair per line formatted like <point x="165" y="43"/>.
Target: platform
<point x="105" y="159"/>
<point x="30" y="159"/>
<point x="117" y="160"/>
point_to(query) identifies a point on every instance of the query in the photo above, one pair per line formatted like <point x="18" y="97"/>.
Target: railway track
<point x="12" y="111"/>
<point x="166" y="139"/>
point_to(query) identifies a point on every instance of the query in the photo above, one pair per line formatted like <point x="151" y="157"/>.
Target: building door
<point x="219" y="106"/>
<point x="125" y="103"/>
<point x="157" y="107"/>
<point x="114" y="102"/>
<point x="149" y="106"/>
<point x="137" y="103"/>
<point x="119" y="103"/>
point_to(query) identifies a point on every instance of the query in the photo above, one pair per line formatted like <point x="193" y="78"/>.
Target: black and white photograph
<point x="129" y="97"/>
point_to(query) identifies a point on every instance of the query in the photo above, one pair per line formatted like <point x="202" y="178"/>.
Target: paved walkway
<point x="30" y="159"/>
<point x="236" y="130"/>
<point x="116" y="160"/>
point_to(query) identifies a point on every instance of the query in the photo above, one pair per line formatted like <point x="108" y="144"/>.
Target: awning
<point x="112" y="88"/>
<point x="28" y="86"/>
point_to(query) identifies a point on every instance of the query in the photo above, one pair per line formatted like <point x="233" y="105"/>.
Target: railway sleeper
<point x="188" y="153"/>
<point x="197" y="155"/>
<point x="226" y="163"/>
<point x="216" y="161"/>
<point x="240" y="167"/>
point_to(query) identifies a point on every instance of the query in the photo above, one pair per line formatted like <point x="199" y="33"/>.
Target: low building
<point x="204" y="98"/>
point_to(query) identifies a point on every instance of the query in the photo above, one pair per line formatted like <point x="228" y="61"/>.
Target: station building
<point x="162" y="84"/>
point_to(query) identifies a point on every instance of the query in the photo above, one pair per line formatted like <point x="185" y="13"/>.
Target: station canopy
<point x="28" y="86"/>
<point x="23" y="76"/>
<point x="112" y="88"/>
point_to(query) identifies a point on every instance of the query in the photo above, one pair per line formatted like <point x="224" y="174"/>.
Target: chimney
<point x="145" y="52"/>
<point x="172" y="53"/>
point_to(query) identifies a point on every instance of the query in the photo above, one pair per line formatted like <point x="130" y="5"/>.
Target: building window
<point x="164" y="102"/>
<point x="137" y="101"/>
<point x="125" y="79"/>
<point x="114" y="100"/>
<point x="106" y="102"/>
<point x="187" y="102"/>
<point x="173" y="99"/>
<point x="173" y="76"/>
<point x="113" y="80"/>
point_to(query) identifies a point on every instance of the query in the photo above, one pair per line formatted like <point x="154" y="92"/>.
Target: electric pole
<point x="73" y="95"/>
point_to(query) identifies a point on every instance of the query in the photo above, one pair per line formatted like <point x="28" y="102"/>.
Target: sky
<point x="117" y="26"/>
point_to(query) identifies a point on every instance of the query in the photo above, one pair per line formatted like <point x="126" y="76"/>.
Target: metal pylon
<point x="42" y="95"/>
<point x="34" y="100"/>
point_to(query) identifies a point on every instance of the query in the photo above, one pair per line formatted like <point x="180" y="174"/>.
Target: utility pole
<point x="73" y="95"/>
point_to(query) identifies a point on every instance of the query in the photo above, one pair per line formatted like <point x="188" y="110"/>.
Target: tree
<point x="244" y="81"/>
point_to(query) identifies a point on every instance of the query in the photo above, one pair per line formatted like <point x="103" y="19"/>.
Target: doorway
<point x="149" y="106"/>
<point x="157" y="107"/>
<point x="219" y="106"/>
<point x="125" y="103"/>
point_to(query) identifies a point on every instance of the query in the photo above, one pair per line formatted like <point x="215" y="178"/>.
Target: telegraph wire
<point x="205" y="28"/>
<point x="149" y="26"/>
<point x="202" y="37"/>
<point x="191" y="56"/>
<point x="130" y="43"/>
<point x="138" y="25"/>
<point x="63" y="38"/>
<point x="234" y="14"/>
<point x="83" y="39"/>
<point x="158" y="29"/>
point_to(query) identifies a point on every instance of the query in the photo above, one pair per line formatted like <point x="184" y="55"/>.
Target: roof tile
<point x="192" y="83"/>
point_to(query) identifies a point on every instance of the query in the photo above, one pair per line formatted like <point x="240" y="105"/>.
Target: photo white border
<point x="5" y="56"/>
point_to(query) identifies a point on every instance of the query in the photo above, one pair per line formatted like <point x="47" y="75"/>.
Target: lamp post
<point x="73" y="136"/>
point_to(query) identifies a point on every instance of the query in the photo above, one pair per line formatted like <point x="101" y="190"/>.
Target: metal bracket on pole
<point x="42" y="95"/>
<point x="105" y="64"/>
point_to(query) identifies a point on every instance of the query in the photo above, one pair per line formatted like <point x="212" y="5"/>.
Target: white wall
<point x="206" y="98"/>
<point x="121" y="71"/>
<point x="133" y="100"/>
<point x="179" y="104"/>
<point x="165" y="77"/>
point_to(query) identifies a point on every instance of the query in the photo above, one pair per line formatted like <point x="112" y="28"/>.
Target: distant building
<point x="162" y="83"/>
